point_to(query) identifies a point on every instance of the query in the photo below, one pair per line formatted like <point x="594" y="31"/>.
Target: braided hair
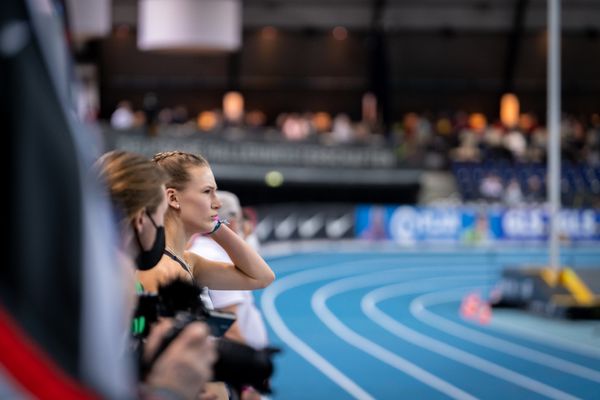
<point x="177" y="165"/>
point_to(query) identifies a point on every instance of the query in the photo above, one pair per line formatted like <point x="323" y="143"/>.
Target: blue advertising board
<point x="407" y="224"/>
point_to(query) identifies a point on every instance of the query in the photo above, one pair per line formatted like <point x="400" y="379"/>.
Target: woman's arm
<point x="248" y="271"/>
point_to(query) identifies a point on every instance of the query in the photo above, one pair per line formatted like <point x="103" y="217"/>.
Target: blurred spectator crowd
<point x="490" y="161"/>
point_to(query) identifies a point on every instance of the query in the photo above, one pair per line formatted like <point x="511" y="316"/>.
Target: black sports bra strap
<point x="179" y="261"/>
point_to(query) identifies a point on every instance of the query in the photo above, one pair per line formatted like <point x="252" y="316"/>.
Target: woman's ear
<point x="138" y="219"/>
<point x="172" y="199"/>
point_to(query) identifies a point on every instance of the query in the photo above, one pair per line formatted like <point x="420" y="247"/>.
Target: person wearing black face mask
<point x="137" y="191"/>
<point x="147" y="259"/>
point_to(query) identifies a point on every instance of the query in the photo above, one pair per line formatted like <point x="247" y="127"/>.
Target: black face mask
<point x="147" y="259"/>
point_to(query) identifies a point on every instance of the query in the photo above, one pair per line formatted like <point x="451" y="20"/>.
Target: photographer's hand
<point x="186" y="364"/>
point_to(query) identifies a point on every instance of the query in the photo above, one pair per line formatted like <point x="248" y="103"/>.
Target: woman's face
<point x="198" y="202"/>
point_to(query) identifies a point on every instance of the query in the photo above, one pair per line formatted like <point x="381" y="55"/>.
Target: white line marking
<point x="418" y="309"/>
<point x="554" y="341"/>
<point x="270" y="294"/>
<point x="332" y="322"/>
<point x="369" y="306"/>
<point x="281" y="285"/>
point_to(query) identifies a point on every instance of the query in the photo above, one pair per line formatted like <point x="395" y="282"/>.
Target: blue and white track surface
<point x="385" y="324"/>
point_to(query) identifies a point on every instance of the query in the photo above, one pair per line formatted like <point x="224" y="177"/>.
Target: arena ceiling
<point x="401" y="15"/>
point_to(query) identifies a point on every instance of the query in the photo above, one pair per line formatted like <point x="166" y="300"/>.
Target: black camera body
<point x="238" y="365"/>
<point x="150" y="308"/>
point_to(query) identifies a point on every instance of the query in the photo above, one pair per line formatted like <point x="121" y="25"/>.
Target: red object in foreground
<point x="31" y="369"/>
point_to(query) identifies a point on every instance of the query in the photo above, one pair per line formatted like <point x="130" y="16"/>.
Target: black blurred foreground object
<point x="55" y="288"/>
<point x="570" y="293"/>
<point x="238" y="365"/>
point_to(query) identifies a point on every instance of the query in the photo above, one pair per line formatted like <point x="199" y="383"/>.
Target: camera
<point x="238" y="365"/>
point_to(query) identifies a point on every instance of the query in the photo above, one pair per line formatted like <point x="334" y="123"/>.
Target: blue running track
<point x="386" y="325"/>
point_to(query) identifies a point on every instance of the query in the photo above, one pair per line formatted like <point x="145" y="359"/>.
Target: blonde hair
<point x="177" y="165"/>
<point x="134" y="182"/>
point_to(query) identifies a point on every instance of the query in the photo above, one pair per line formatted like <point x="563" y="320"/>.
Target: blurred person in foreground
<point x="61" y="303"/>
<point x="137" y="191"/>
<point x="249" y="327"/>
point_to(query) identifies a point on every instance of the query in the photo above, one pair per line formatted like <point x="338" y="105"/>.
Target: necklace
<point x="168" y="251"/>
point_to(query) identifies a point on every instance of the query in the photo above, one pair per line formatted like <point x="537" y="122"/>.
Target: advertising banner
<point x="408" y="224"/>
<point x="305" y="222"/>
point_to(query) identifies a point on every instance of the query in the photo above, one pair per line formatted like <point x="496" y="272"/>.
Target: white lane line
<point x="268" y="298"/>
<point x="270" y="294"/>
<point x="319" y="306"/>
<point x="553" y="341"/>
<point x="418" y="309"/>
<point x="369" y="306"/>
